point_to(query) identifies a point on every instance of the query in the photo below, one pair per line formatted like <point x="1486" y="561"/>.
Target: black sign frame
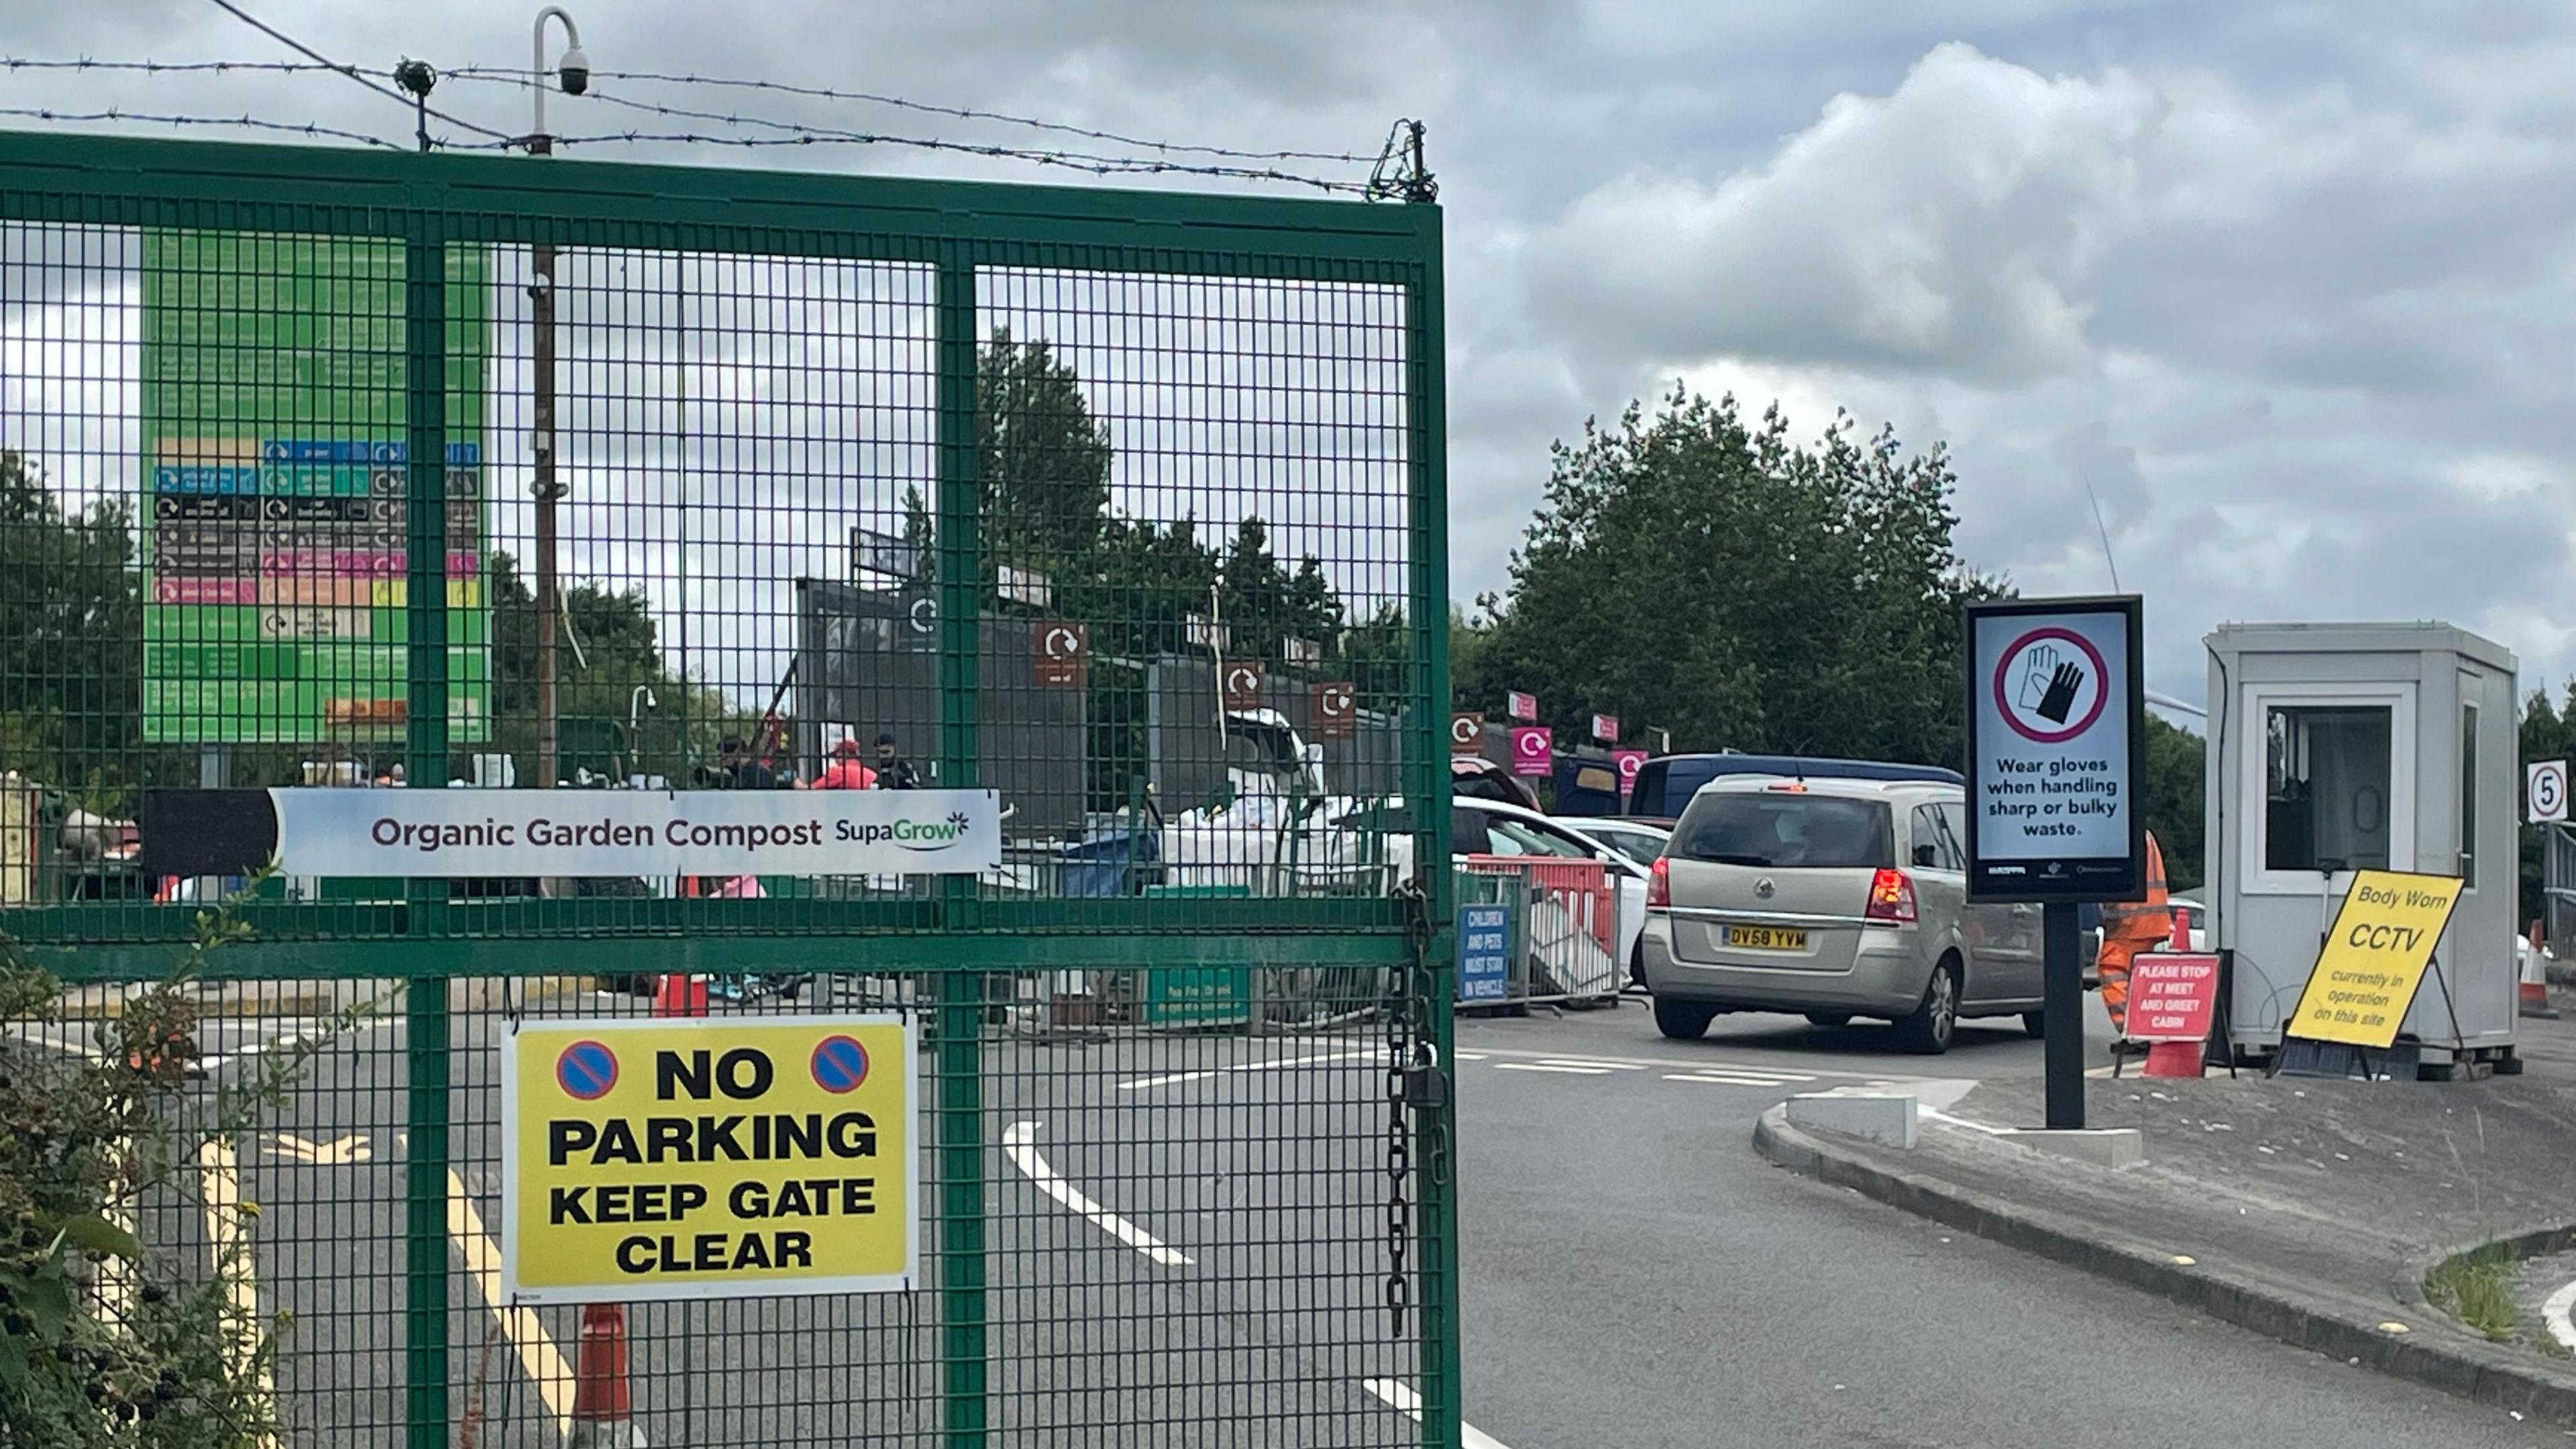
<point x="2070" y="879"/>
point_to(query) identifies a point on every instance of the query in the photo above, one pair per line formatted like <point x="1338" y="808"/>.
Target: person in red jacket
<point x="846" y="772"/>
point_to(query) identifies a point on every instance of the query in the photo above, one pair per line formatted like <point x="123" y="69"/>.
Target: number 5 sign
<point x="2547" y="791"/>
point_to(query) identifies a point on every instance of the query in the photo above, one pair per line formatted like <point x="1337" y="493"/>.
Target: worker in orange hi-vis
<point x="2129" y="927"/>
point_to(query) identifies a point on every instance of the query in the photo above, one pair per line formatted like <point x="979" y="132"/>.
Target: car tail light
<point x="1659" y="883"/>
<point x="1891" y="897"/>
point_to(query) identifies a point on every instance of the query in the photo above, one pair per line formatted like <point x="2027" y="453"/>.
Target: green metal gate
<point x="274" y="424"/>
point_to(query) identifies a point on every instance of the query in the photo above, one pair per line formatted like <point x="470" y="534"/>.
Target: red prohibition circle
<point x="2101" y="687"/>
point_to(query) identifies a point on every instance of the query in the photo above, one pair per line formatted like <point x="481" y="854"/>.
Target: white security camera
<point x="575" y="70"/>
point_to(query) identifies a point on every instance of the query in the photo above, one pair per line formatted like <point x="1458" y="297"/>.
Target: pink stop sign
<point x="1530" y="745"/>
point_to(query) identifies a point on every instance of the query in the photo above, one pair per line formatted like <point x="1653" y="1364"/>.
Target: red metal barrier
<point x="1581" y="886"/>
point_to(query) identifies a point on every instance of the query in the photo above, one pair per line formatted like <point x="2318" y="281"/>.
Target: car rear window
<point x="1780" y="830"/>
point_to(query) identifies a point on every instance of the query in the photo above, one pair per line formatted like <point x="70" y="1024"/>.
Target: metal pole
<point x="548" y="490"/>
<point x="426" y="1120"/>
<point x="2063" y="996"/>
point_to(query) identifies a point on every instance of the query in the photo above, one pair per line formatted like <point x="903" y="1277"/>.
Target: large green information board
<point x="277" y="483"/>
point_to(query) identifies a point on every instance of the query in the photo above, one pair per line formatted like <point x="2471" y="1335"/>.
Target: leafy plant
<point x="107" y="1338"/>
<point x="2477" y="1289"/>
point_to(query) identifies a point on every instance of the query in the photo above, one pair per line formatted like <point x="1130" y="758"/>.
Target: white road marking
<point x="1928" y="1115"/>
<point x="2554" y="1312"/>
<point x="1713" y="1079"/>
<point x="1693" y="1063"/>
<point x="1551" y="1067"/>
<point x="1015" y="1145"/>
<point x="230" y="1239"/>
<point x="1400" y="1396"/>
<point x="1272" y="1066"/>
<point x="1589" y="1062"/>
<point x="1467" y="1056"/>
<point x="538" y="1355"/>
<point x="1173" y="1079"/>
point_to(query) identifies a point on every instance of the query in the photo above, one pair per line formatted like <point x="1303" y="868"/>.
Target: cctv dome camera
<point x="575" y="71"/>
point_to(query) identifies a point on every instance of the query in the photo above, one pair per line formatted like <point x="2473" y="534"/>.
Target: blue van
<point x="1666" y="784"/>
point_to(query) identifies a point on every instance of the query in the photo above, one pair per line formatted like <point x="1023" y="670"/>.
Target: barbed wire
<point x="798" y="133"/>
<point x="1065" y="160"/>
<point x="118" y="113"/>
<point x="420" y="106"/>
<point x="1221" y="165"/>
<point x="156" y="67"/>
<point x="964" y="113"/>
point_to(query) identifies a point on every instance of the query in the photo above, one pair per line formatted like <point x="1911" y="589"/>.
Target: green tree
<point x="2173" y="797"/>
<point x="71" y="660"/>
<point x="1266" y="605"/>
<point x="921" y="538"/>
<point x="1699" y="572"/>
<point x="1042" y="460"/>
<point x="619" y="651"/>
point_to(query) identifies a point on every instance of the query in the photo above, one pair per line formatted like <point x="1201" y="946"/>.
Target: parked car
<point x="1665" y="784"/>
<point x="1838" y="898"/>
<point x="1494" y="827"/>
<point x="1634" y="839"/>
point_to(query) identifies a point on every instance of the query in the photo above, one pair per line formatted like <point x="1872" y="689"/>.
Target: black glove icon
<point x="2048" y="684"/>
<point x="2060" y="695"/>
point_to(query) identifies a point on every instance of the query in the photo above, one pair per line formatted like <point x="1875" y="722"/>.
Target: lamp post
<point x="574" y="74"/>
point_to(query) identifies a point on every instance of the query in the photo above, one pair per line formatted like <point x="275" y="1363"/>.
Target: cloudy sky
<point x="2286" y="285"/>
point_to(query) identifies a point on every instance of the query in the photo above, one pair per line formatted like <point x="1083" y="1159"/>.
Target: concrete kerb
<point x="2436" y="1351"/>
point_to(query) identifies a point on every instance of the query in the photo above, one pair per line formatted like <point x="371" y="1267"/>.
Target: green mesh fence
<point x="647" y="487"/>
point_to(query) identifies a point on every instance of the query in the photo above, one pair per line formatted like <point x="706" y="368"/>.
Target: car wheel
<point x="1928" y="1028"/>
<point x="1830" y="1018"/>
<point x="2034" y="1023"/>
<point x="1683" y="1020"/>
<point x="1637" y="966"/>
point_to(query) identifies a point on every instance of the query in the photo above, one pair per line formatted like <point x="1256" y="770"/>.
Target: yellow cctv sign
<point x="695" y="1158"/>
<point x="2374" y="958"/>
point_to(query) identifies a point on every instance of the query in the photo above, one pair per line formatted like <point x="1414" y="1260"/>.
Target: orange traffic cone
<point x="2181" y="933"/>
<point x="603" y="1414"/>
<point x="680" y="996"/>
<point x="2534" y="986"/>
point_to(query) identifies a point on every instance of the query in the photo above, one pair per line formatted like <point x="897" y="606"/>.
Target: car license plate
<point x="1766" y="938"/>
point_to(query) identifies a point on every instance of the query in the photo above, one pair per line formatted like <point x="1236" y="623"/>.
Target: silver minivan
<point x="1836" y="898"/>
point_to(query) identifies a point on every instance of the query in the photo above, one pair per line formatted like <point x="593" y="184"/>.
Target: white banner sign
<point x="362" y="832"/>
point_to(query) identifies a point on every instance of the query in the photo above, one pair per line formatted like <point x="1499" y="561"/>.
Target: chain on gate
<point x="1414" y="1078"/>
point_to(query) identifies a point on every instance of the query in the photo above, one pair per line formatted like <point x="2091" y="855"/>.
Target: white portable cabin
<point x="2336" y="747"/>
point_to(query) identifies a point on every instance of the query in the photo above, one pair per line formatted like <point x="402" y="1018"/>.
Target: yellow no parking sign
<point x="699" y="1158"/>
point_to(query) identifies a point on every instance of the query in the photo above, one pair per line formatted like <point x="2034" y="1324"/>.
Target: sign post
<point x="2056" y="701"/>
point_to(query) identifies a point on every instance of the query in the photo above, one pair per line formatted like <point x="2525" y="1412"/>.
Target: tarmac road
<point x="1188" y="1247"/>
